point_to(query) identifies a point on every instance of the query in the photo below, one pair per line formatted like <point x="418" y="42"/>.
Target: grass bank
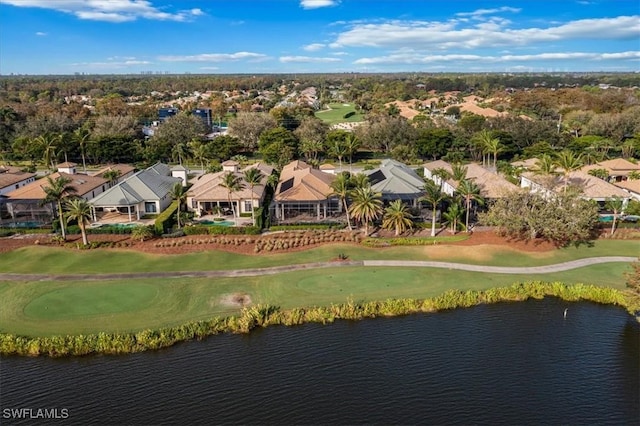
<point x="46" y="308"/>
<point x="52" y="260"/>
<point x="337" y="113"/>
<point x="266" y="315"/>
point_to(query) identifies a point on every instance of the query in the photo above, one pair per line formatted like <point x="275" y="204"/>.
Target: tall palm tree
<point x="352" y="144"/>
<point x="482" y="143"/>
<point x="253" y="177"/>
<point x="341" y="188"/>
<point x="48" y="143"/>
<point x="79" y="209"/>
<point x="397" y="216"/>
<point x="434" y="196"/>
<point x="199" y="152"/>
<point x="494" y="146"/>
<point x="568" y="162"/>
<point x="453" y="216"/>
<point x="338" y="149"/>
<point x="180" y="195"/>
<point x="615" y="204"/>
<point x="469" y="192"/>
<point x="233" y="184"/>
<point x="81" y="136"/>
<point x="179" y="151"/>
<point x="366" y="206"/>
<point x="56" y="191"/>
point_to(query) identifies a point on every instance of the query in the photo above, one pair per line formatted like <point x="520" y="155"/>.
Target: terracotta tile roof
<point x="630" y="185"/>
<point x="299" y="182"/>
<point x="124" y="169"/>
<point x="591" y="186"/>
<point x="491" y="184"/>
<point x="12" y="176"/>
<point x="33" y="191"/>
<point x="207" y="187"/>
<point x="615" y="167"/>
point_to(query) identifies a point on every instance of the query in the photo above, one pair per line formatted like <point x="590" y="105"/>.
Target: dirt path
<point x="574" y="264"/>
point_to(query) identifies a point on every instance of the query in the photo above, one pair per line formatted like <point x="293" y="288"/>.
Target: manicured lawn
<point x="337" y="113"/>
<point x="74" y="307"/>
<point x="69" y="261"/>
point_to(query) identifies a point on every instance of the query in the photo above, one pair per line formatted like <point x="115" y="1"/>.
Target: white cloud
<point x="307" y="59"/>
<point x="417" y="58"/>
<point x="110" y="64"/>
<point x="115" y="11"/>
<point x="440" y="35"/>
<point x="41" y="34"/>
<point x="214" y="57"/>
<point x="315" y="4"/>
<point x="482" y="12"/>
<point x="340" y="53"/>
<point x="314" y="47"/>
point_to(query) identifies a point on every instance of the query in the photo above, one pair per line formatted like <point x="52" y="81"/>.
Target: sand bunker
<point x="238" y="300"/>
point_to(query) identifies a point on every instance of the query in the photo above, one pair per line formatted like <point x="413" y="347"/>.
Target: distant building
<point x="205" y="115"/>
<point x="165" y="113"/>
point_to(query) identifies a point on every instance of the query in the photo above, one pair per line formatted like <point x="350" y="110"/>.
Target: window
<point x="248" y="206"/>
<point x="150" y="207"/>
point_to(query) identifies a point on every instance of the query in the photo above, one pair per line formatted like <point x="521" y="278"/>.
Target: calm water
<point x="509" y="364"/>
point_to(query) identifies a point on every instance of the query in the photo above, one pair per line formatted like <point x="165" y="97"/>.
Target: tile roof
<point x="208" y="188"/>
<point x="616" y="166"/>
<point x="491" y="184"/>
<point x="124" y="169"/>
<point x="591" y="186"/>
<point x="13" y="175"/>
<point x="83" y="184"/>
<point x="630" y="185"/>
<point x="306" y="184"/>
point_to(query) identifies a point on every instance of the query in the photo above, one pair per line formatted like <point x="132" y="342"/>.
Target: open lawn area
<point x="337" y="112"/>
<point x="53" y="260"/>
<point x="80" y="307"/>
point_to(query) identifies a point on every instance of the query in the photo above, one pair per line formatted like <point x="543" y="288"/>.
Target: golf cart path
<point x="524" y="270"/>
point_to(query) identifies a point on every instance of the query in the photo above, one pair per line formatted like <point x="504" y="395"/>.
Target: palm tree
<point x="545" y="165"/>
<point x="458" y="172"/>
<point x="493" y="146"/>
<point x="568" y="162"/>
<point x="397" y="216"/>
<point x="141" y="233"/>
<point x="179" y="151"/>
<point x="338" y="149"/>
<point x="360" y="180"/>
<point x="470" y="192"/>
<point x="366" y="206"/>
<point x="112" y="176"/>
<point x="48" y="143"/>
<point x="615" y="204"/>
<point x="180" y="195"/>
<point x="233" y="184"/>
<point x="341" y="187"/>
<point x="352" y="144"/>
<point x="253" y="177"/>
<point x="79" y="209"/>
<point x="199" y="151"/>
<point x="56" y="191"/>
<point x="453" y="216"/>
<point x="434" y="196"/>
<point x="81" y="136"/>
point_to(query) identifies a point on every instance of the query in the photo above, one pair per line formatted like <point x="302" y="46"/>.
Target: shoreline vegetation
<point x="259" y="316"/>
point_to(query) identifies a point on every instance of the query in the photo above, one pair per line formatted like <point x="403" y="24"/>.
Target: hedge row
<point x="308" y="226"/>
<point x="165" y="220"/>
<point x="221" y="230"/>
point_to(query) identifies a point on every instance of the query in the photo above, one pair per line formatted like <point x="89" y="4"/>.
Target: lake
<point x="508" y="363"/>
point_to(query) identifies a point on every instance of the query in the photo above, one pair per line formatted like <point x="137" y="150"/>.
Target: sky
<point x="317" y="36"/>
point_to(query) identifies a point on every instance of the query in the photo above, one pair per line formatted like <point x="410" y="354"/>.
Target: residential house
<point x="145" y="192"/>
<point x="303" y="190"/>
<point x="631" y="186"/>
<point x="492" y="185"/>
<point x="396" y="181"/>
<point x="591" y="187"/>
<point x="207" y="193"/>
<point x="28" y="201"/>
<point x="618" y="168"/>
<point x="12" y="178"/>
<point x="123" y="170"/>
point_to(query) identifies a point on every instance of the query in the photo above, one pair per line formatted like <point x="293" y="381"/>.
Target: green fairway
<point x="50" y="260"/>
<point x="80" y="307"/>
<point x="337" y="112"/>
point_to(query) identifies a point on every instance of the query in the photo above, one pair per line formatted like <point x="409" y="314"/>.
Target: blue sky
<point x="298" y="36"/>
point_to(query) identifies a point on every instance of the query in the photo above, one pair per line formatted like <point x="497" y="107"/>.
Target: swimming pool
<point x="216" y="223"/>
<point x="24" y="225"/>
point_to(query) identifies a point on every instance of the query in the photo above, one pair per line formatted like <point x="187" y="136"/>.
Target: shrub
<point x="176" y="234"/>
<point x="308" y="226"/>
<point x="165" y="220"/>
<point x="349" y="114"/>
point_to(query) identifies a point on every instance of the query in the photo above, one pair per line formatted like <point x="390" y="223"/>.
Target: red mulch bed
<point x="483" y="237"/>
